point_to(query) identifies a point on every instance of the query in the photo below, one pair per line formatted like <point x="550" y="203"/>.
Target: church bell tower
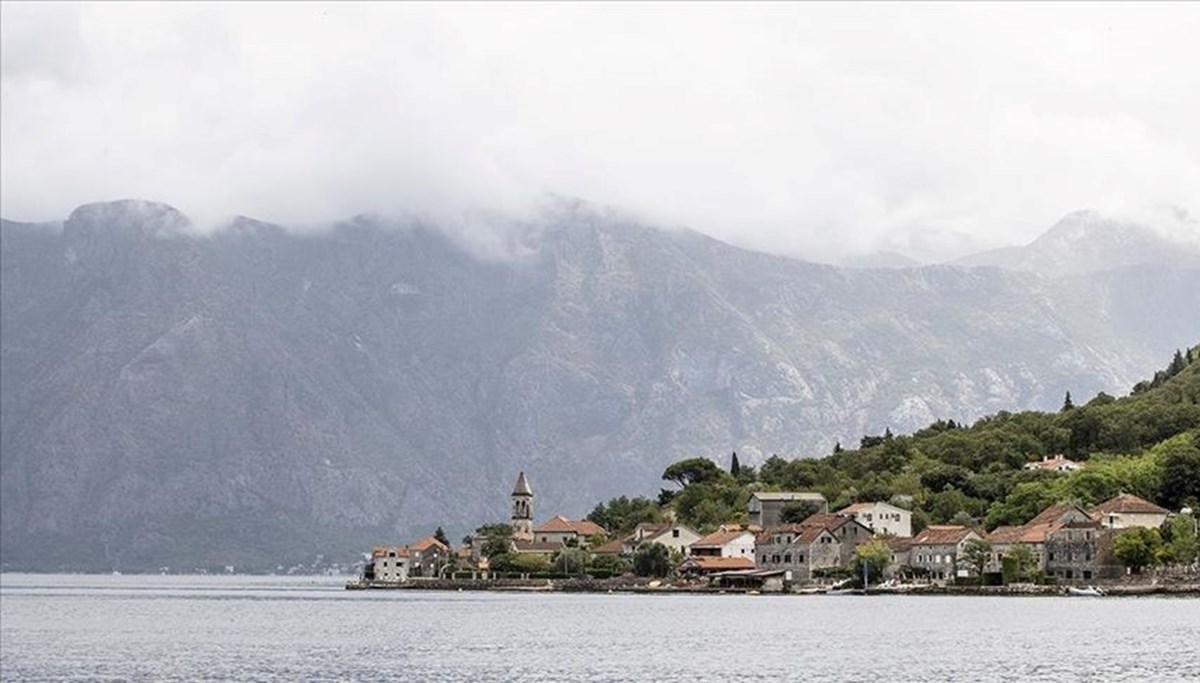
<point x="522" y="509"/>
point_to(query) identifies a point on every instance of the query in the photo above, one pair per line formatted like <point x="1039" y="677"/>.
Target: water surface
<point x="173" y="628"/>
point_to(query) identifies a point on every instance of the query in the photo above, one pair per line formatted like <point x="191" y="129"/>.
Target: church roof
<point x="522" y="487"/>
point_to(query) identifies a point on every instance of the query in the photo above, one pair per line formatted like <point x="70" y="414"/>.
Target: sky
<point x="810" y="130"/>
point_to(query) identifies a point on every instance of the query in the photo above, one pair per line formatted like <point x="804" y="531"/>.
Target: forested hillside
<point x="1147" y="443"/>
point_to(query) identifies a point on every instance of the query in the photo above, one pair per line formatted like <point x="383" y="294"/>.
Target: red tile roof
<point x="426" y="543"/>
<point x="383" y="550"/>
<point x="828" y="520"/>
<point x="719" y="564"/>
<point x="536" y="547"/>
<point x="718" y="539"/>
<point x="611" y="548"/>
<point x="941" y="535"/>
<point x="562" y="525"/>
<point x="1129" y="504"/>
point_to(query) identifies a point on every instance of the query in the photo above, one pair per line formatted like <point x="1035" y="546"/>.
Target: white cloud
<point x="800" y="129"/>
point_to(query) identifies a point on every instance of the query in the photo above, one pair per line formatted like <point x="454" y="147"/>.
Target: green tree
<point x="615" y="565"/>
<point x="1067" y="403"/>
<point x="977" y="553"/>
<point x="1018" y="563"/>
<point x="571" y="561"/>
<point x="692" y="471"/>
<point x="440" y="536"/>
<point x="735" y="468"/>
<point x="1137" y="548"/>
<point x="620" y="515"/>
<point x="652" y="559"/>
<point x="874" y="556"/>
<point x="797" y="511"/>
<point x="1184" y="548"/>
<point x="1181" y="476"/>
<point x="496" y="539"/>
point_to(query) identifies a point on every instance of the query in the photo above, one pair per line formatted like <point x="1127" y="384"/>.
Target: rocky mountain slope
<point x="256" y="397"/>
<point x="1087" y="241"/>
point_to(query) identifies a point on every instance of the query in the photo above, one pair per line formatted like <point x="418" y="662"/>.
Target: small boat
<point x="1088" y="592"/>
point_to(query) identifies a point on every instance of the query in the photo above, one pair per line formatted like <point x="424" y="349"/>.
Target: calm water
<point x="286" y="629"/>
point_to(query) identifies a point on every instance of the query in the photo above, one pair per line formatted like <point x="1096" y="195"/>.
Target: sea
<point x="266" y="628"/>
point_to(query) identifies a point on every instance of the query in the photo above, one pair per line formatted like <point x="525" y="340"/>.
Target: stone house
<point x="733" y="543"/>
<point x="564" y="531"/>
<point x="797" y="549"/>
<point x="389" y="565"/>
<point x="849" y="532"/>
<point x="1033" y="534"/>
<point x="1081" y="551"/>
<point x="901" y="548"/>
<point x="881" y="518"/>
<point x="1127" y="510"/>
<point x="937" y="549"/>
<point x="427" y="557"/>
<point x="766" y="507"/>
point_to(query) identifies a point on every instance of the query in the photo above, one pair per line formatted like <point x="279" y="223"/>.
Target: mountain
<point x="879" y="259"/>
<point x="256" y="397"/>
<point x="1088" y="241"/>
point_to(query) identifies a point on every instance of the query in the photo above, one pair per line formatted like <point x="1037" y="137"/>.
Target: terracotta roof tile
<point x="426" y="543"/>
<point x="719" y="563"/>
<point x="941" y="535"/>
<point x="562" y="525"/>
<point x="1129" y="504"/>
<point x="718" y="539"/>
<point x="611" y="548"/>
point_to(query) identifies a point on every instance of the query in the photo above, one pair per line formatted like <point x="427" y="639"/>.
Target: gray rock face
<point x="1086" y="241"/>
<point x="257" y="397"/>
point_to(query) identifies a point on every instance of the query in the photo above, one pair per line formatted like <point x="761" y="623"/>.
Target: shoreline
<point x="613" y="587"/>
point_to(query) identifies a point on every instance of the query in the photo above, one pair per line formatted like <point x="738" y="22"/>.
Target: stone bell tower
<point x="522" y="509"/>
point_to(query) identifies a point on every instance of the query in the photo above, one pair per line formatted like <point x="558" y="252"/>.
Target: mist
<point x="806" y="130"/>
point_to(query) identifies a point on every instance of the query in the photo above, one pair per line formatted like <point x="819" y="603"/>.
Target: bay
<point x="208" y="628"/>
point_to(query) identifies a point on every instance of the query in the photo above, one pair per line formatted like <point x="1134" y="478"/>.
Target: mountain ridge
<point x="304" y="394"/>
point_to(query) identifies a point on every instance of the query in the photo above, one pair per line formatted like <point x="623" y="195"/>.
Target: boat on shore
<point x="1087" y="592"/>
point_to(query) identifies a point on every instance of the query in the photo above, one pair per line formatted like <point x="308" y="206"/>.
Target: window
<point x="674" y="533"/>
<point x="787" y="558"/>
<point x="800" y="559"/>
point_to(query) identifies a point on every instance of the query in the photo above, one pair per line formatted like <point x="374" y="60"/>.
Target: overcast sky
<point x="803" y="129"/>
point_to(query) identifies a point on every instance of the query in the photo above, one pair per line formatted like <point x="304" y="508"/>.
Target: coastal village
<point x="866" y="544"/>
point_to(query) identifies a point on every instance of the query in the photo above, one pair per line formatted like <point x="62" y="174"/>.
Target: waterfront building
<point x="881" y="518"/>
<point x="766" y="507"/>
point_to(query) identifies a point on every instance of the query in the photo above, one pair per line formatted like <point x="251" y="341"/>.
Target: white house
<point x="673" y="536"/>
<point x="1126" y="511"/>
<point x="390" y="564"/>
<point x="731" y="543"/>
<point x="1058" y="463"/>
<point x="881" y="518"/>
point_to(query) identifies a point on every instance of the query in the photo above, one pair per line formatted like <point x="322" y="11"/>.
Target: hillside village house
<point x="881" y="518"/>
<point x="937" y="549"/>
<point x="676" y="537"/>
<point x="564" y="531"/>
<point x="766" y="507"/>
<point x="1058" y="463"/>
<point x="1033" y="534"/>
<point x="798" y="549"/>
<point x="849" y="532"/>
<point x="1127" y="510"/>
<point x="1081" y="550"/>
<point x="725" y="542"/>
